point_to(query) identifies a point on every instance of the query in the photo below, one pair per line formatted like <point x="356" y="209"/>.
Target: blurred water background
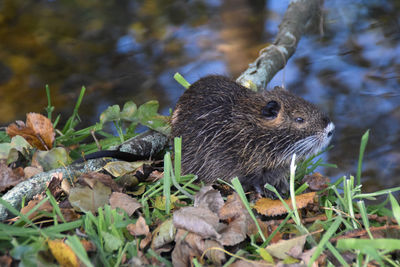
<point x="129" y="50"/>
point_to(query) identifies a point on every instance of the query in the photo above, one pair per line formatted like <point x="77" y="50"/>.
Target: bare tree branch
<point x="299" y="15"/>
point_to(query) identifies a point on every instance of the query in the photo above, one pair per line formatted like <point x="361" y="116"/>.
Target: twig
<point x="299" y="15"/>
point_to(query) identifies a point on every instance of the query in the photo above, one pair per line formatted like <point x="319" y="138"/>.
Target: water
<point x="129" y="50"/>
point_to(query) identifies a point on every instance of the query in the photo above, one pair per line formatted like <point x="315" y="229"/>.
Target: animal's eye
<point x="271" y="110"/>
<point x="299" y="120"/>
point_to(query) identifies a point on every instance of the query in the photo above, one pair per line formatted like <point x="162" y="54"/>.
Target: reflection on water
<point x="124" y="50"/>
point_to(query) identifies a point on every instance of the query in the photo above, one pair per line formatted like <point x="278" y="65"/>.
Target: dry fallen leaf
<point x="91" y="178"/>
<point x="209" y="198"/>
<point x="38" y="131"/>
<point x="235" y="213"/>
<point x="63" y="253"/>
<point x="31" y="171"/>
<point x="125" y="202"/>
<point x="119" y="168"/>
<point x="282" y="248"/>
<point x="154" y="176"/>
<point x="316" y="181"/>
<point x="160" y="202"/>
<point x="55" y="184"/>
<point x="84" y="198"/>
<point x="187" y="246"/>
<point x="201" y="221"/>
<point x="139" y="228"/>
<point x="46" y="206"/>
<point x="8" y="178"/>
<point x="271" y="207"/>
<point x="88" y="245"/>
<point x="163" y="235"/>
<point x="266" y="228"/>
<point x="5" y="261"/>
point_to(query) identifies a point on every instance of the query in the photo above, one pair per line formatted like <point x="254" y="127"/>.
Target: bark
<point x="299" y="15"/>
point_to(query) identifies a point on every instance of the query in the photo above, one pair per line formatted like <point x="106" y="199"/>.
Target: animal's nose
<point x="330" y="128"/>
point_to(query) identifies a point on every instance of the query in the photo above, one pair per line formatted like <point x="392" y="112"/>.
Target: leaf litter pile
<point x="146" y="213"/>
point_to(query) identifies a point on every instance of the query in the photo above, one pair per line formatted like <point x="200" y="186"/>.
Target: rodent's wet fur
<point x="230" y="131"/>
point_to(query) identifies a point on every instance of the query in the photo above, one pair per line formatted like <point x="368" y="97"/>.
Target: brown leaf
<point x="84" y="198"/>
<point x="125" y="202"/>
<point x="238" y="221"/>
<point x="154" y="176"/>
<point x="247" y="263"/>
<point x="282" y="248"/>
<point x="90" y="179"/>
<point x="139" y="228"/>
<point x="144" y="242"/>
<point x="214" y="252"/>
<point x="163" y="235"/>
<point x="5" y="261"/>
<point x="69" y="214"/>
<point x="31" y="171"/>
<point x="271" y="207"/>
<point x="265" y="228"/>
<point x="209" y="198"/>
<point x="187" y="246"/>
<point x="88" y="245"/>
<point x="55" y="184"/>
<point x="38" y="131"/>
<point x="8" y="178"/>
<point x="201" y="221"/>
<point x="46" y="206"/>
<point x="316" y="181"/>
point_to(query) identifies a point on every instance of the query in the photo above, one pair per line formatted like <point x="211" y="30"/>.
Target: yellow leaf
<point x="265" y="255"/>
<point x="271" y="207"/>
<point x="160" y="202"/>
<point x="63" y="253"/>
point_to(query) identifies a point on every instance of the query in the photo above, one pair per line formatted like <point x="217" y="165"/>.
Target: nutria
<point x="230" y="131"/>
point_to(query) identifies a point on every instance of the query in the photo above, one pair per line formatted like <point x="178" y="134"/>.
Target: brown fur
<point x="225" y="133"/>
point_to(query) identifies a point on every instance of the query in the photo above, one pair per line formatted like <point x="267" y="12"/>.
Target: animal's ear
<point x="271" y="110"/>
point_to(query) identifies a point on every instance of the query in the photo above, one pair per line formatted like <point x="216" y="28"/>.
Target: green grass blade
<point x="395" y="208"/>
<point x="75" y="244"/>
<point x="325" y="239"/>
<point x="167" y="181"/>
<point x="364" y="141"/>
<point x="182" y="81"/>
<point x="239" y="189"/>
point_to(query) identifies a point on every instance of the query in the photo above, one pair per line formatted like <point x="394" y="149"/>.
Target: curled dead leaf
<point x="139" y="228"/>
<point x="125" y="202"/>
<point x="8" y="177"/>
<point x="201" y="221"/>
<point x="316" y="181"/>
<point x="235" y="213"/>
<point x="209" y="198"/>
<point x="38" y="131"/>
<point x="271" y="207"/>
<point x="163" y="235"/>
<point x="187" y="246"/>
